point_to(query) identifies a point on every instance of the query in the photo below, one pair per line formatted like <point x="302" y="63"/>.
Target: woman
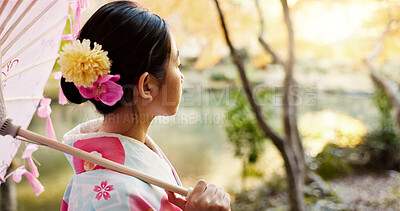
<point x="126" y="63"/>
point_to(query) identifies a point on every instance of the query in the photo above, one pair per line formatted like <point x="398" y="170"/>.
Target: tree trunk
<point x="295" y="179"/>
<point x="295" y="163"/>
<point x="310" y="176"/>
<point x="8" y="196"/>
<point x="290" y="147"/>
<point x="294" y="148"/>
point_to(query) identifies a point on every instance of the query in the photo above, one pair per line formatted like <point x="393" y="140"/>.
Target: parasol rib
<point x="27" y="27"/>
<point x="3" y="5"/>
<point x="33" y="41"/>
<point x="3" y="111"/>
<point x="24" y="98"/>
<point x="17" y="72"/>
<point x="14" y="25"/>
<point x="14" y="9"/>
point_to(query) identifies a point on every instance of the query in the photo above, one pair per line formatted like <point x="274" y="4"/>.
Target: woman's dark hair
<point x="136" y="40"/>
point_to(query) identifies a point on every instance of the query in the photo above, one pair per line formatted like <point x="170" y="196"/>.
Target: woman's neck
<point x="123" y="122"/>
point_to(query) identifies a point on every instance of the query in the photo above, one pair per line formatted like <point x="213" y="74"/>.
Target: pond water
<point x="194" y="139"/>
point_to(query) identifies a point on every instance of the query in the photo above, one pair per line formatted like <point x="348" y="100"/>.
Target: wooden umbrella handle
<point x="100" y="161"/>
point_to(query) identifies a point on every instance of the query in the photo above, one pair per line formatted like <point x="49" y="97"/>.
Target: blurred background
<point x="347" y="124"/>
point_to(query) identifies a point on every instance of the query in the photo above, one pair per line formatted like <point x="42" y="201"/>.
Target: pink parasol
<point x="30" y="37"/>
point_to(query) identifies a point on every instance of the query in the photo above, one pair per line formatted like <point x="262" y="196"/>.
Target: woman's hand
<point x="202" y="197"/>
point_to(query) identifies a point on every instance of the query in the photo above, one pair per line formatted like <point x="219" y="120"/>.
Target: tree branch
<point x="290" y="91"/>
<point x="388" y="86"/>
<point x="289" y="26"/>
<point x="238" y="59"/>
<point x="267" y="47"/>
<point x="288" y="100"/>
<point x="379" y="44"/>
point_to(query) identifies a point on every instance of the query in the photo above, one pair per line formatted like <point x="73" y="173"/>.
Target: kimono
<point x="93" y="187"/>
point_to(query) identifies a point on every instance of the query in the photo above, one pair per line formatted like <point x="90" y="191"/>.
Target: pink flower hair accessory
<point x="104" y="89"/>
<point x="89" y="69"/>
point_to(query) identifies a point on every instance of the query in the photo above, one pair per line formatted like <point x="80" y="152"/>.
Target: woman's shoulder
<point x="138" y="156"/>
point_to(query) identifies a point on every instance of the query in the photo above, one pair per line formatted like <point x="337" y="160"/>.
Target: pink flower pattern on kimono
<point x="108" y="147"/>
<point x="103" y="190"/>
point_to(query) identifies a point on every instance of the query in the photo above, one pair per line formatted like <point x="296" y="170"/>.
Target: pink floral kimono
<point x="94" y="188"/>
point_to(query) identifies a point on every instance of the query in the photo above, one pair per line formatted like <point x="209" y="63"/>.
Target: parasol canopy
<point x="30" y="38"/>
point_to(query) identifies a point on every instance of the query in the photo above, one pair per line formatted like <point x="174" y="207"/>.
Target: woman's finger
<point x="227" y="198"/>
<point x="198" y="190"/>
<point x="210" y="190"/>
<point x="219" y="194"/>
<point x="217" y="202"/>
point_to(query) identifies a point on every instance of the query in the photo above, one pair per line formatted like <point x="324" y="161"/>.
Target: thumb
<point x="181" y="203"/>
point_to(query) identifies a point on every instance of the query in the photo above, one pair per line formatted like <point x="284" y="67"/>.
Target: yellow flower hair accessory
<point x="82" y="65"/>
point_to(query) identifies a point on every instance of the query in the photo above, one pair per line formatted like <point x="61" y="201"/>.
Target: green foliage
<point x="383" y="104"/>
<point x="251" y="170"/>
<point x="379" y="150"/>
<point x="332" y="162"/>
<point x="243" y="131"/>
<point x="382" y="148"/>
<point x="242" y="128"/>
<point x="382" y="144"/>
<point x="218" y="76"/>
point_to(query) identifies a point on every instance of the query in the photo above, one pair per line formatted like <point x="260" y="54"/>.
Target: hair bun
<point x="71" y="92"/>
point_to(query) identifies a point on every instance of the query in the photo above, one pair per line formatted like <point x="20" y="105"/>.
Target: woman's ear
<point x="147" y="86"/>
